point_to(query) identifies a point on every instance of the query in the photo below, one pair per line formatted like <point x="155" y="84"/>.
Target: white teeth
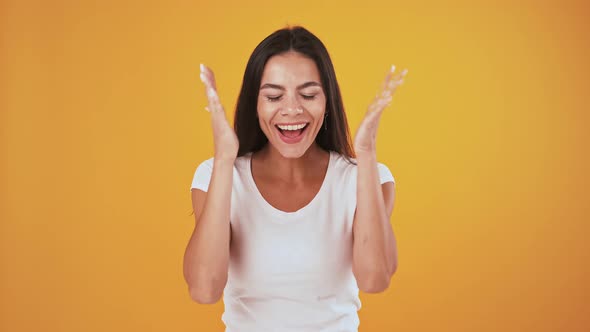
<point x="292" y="127"/>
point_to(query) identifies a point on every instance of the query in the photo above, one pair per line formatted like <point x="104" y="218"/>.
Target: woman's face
<point x="291" y="103"/>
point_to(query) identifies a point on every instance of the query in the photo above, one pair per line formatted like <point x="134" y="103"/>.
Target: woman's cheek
<point x="265" y="110"/>
<point x="317" y="108"/>
<point x="265" y="114"/>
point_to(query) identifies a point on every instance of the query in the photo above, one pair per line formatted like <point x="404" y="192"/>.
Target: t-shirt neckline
<point x="280" y="213"/>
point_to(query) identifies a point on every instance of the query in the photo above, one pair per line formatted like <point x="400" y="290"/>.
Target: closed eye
<point x="277" y="98"/>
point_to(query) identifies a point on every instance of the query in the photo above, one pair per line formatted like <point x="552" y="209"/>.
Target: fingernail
<point x="202" y="66"/>
<point x="392" y="68"/>
<point x="202" y="76"/>
<point x="207" y="109"/>
<point x="405" y="71"/>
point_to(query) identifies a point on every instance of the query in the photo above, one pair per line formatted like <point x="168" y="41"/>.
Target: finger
<point x="203" y="74"/>
<point x="381" y="103"/>
<point x="385" y="94"/>
<point x="208" y="73"/>
<point x="388" y="78"/>
<point x="388" y="87"/>
<point x="212" y="96"/>
<point x="397" y="80"/>
<point x="210" y="93"/>
<point x="207" y="84"/>
<point x="391" y="82"/>
<point x="214" y="103"/>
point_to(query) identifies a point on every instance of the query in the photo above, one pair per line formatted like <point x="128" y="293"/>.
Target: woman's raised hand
<point x="224" y="138"/>
<point x="365" y="139"/>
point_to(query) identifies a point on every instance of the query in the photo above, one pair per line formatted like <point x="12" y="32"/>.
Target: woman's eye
<point x="277" y="98"/>
<point x="271" y="98"/>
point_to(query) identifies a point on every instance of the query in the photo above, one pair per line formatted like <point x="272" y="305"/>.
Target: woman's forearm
<point x="207" y="254"/>
<point x="374" y="247"/>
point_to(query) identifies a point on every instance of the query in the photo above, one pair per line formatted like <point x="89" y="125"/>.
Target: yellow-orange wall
<point x="102" y="126"/>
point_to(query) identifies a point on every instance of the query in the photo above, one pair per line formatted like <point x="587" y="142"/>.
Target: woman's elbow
<point x="204" y="286"/>
<point x="204" y="296"/>
<point x="375" y="281"/>
<point x="207" y="289"/>
<point x="373" y="285"/>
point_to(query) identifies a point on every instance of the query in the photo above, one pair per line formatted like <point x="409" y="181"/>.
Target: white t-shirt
<point x="291" y="271"/>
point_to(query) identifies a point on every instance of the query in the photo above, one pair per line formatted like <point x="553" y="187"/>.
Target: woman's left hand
<point x="365" y="139"/>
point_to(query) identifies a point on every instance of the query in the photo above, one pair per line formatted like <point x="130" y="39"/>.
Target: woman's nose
<point x="292" y="106"/>
<point x="291" y="110"/>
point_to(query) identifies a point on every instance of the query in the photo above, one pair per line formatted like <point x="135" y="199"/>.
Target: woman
<point x="289" y="224"/>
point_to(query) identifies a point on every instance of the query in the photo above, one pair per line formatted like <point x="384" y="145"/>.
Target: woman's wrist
<point x="223" y="160"/>
<point x="366" y="156"/>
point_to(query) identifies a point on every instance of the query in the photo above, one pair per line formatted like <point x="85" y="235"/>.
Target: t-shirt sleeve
<point x="384" y="173"/>
<point x="202" y="175"/>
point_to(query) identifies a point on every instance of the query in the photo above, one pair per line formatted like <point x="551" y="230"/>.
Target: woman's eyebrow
<point x="280" y="87"/>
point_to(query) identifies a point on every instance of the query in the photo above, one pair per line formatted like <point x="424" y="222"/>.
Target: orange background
<point x="102" y="126"/>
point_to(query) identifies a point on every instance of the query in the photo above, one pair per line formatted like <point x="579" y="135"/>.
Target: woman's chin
<point x="292" y="152"/>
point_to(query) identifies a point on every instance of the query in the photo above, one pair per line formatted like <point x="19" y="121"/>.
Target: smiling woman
<point x="291" y="112"/>
<point x="289" y="66"/>
<point x="291" y="219"/>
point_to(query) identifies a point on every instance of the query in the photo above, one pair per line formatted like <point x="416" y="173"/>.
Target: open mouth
<point x="292" y="133"/>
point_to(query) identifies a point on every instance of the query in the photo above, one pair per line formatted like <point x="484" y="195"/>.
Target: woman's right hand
<point x="224" y="138"/>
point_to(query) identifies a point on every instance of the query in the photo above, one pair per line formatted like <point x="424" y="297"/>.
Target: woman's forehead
<point x="290" y="69"/>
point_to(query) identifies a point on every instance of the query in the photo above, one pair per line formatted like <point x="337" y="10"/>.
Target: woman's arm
<point x="206" y="258"/>
<point x="374" y="252"/>
<point x="374" y="245"/>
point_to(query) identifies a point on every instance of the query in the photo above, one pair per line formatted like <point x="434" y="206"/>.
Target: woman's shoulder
<point x="348" y="166"/>
<point x="208" y="163"/>
<point x="203" y="172"/>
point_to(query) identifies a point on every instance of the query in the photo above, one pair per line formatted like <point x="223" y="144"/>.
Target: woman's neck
<point x="291" y="169"/>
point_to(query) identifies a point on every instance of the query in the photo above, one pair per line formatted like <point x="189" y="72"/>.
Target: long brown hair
<point x="334" y="135"/>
